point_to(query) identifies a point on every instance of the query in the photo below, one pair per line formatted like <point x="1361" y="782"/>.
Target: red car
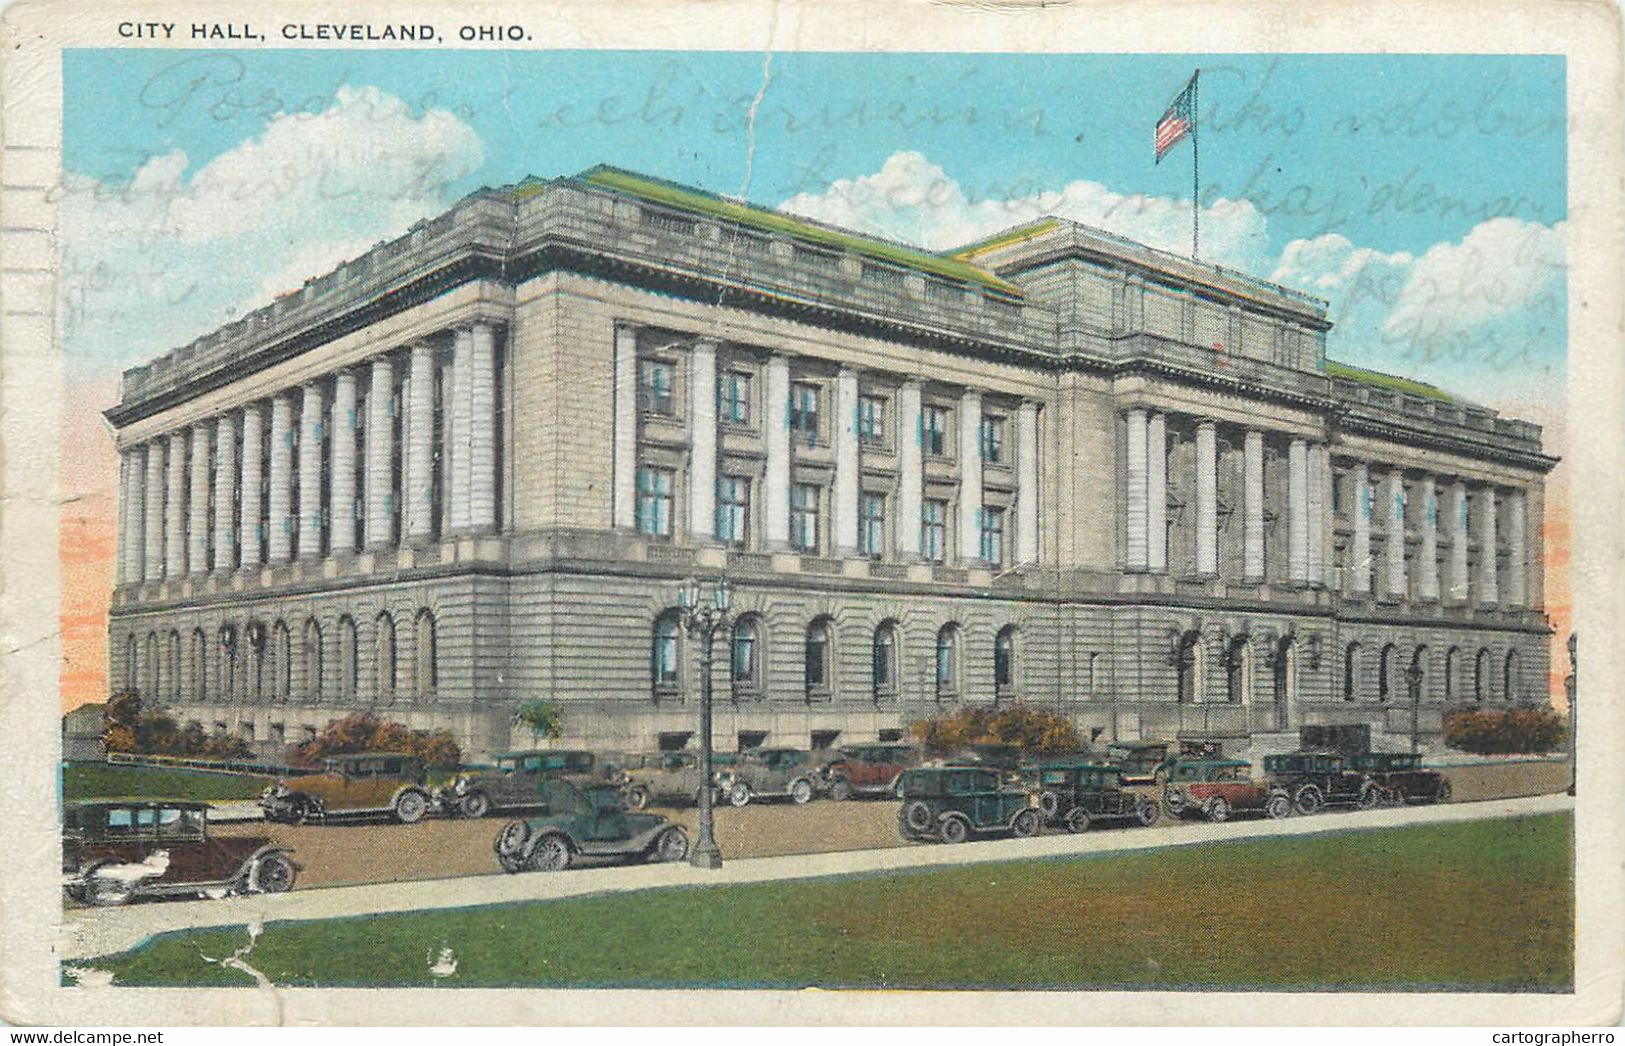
<point x="1227" y="787"/>
<point x="869" y="769"/>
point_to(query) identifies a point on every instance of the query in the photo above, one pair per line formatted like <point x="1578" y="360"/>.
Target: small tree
<point x="1035" y="731"/>
<point x="1514" y="731"/>
<point x="542" y="717"/>
<point x="365" y="732"/>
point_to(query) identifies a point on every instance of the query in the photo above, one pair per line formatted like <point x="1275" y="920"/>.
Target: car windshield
<point x="1053" y="777"/>
<point x="180" y="823"/>
<point x="606" y="799"/>
<point x="1228" y="773"/>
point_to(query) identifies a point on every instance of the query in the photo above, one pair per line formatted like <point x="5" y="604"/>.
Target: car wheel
<point x="1308" y="800"/>
<point x="1217" y="810"/>
<point x="1025" y="825"/>
<point x="552" y="854"/>
<point x="410" y="806"/>
<point x="275" y="874"/>
<point x="801" y="792"/>
<point x="739" y="794"/>
<point x="474" y="806"/>
<point x="511" y="840"/>
<point x="300" y="810"/>
<point x="107" y="893"/>
<point x="1371" y="797"/>
<point x="1174" y="800"/>
<point x="1279" y="806"/>
<point x="1146" y="812"/>
<point x="1077" y="820"/>
<point x="840" y="790"/>
<point x="637" y="797"/>
<point x="917" y="815"/>
<point x="671" y="845"/>
<point x="1049" y="804"/>
<point x="955" y="830"/>
<point x="1444" y="792"/>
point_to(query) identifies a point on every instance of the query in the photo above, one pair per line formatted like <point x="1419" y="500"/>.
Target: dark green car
<point x="1078" y="795"/>
<point x="951" y="803"/>
<point x="586" y="820"/>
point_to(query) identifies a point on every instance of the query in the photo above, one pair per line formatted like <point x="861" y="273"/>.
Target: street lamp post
<point x="1568" y="689"/>
<point x="702" y="618"/>
<point x="1413" y="679"/>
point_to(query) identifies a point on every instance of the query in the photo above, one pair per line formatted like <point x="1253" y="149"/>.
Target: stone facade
<point x="472" y="467"/>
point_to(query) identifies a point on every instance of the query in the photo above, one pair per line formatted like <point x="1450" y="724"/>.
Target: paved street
<point x="91" y="932"/>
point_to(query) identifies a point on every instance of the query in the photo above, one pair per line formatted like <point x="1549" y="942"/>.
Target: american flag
<point x="1178" y="121"/>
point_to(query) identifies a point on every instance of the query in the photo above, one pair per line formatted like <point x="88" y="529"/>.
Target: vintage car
<point x="586" y="819"/>
<point x="1319" y="779"/>
<point x="671" y="777"/>
<point x="1140" y="761"/>
<point x="951" y="803"/>
<point x="114" y="851"/>
<point x="515" y="783"/>
<point x="1218" y="789"/>
<point x="869" y="769"/>
<point x="789" y="772"/>
<point x="1402" y="778"/>
<point x="352" y="786"/>
<point x="1079" y="794"/>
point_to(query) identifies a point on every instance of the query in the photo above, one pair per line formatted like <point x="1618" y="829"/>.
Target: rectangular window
<point x="992" y="439"/>
<point x="804" y="517"/>
<point x="733" y="399"/>
<point x="804" y="413"/>
<point x="872" y="421"/>
<point x="933" y="529"/>
<point x="733" y="510"/>
<point x="654" y="501"/>
<point x="934" y="430"/>
<point x="993" y="536"/>
<point x="655" y="388"/>
<point x="871" y="524"/>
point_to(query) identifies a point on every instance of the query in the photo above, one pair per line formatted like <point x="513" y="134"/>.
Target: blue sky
<point x="1423" y="196"/>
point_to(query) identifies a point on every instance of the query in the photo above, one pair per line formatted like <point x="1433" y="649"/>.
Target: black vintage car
<point x="1318" y="779"/>
<point x="1079" y="795"/>
<point x="514" y="784"/>
<point x="586" y="820"/>
<point x="952" y="803"/>
<point x="1402" y="777"/>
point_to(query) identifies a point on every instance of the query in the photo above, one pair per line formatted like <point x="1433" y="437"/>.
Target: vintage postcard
<point x="998" y="513"/>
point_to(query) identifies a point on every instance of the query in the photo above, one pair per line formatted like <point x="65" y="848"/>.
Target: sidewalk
<point x="100" y="931"/>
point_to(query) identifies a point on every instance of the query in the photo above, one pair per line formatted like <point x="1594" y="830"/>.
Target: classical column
<point x="461" y="421"/>
<point x="910" y="478"/>
<point x="1517" y="552"/>
<point x="1027" y="484"/>
<point x="1207" y="499"/>
<point x="1156" y="493"/>
<point x="252" y="541"/>
<point x="702" y="436"/>
<point x="197" y="523"/>
<point x="1393" y="558"/>
<point x="153" y="544"/>
<point x="776" y="430"/>
<point x="380" y="451"/>
<point x="1427" y="561"/>
<point x="175" y="508"/>
<point x="844" y="510"/>
<point x="482" y="435"/>
<point x="311" y="412"/>
<point x="341" y="478"/>
<point x="1458" y="588"/>
<point x="1315" y="473"/>
<point x="225" y="490"/>
<point x="1297" y="500"/>
<point x="970" y="475"/>
<point x="624" y="433"/>
<point x="1252" y="506"/>
<point x="419" y="493"/>
<point x="279" y="541"/>
<point x="1360" y="549"/>
<point x="1487" y="587"/>
<point x="131" y="511"/>
<point x="1134" y="473"/>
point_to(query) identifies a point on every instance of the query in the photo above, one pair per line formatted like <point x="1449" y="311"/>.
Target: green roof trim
<point x="1006" y="238"/>
<point x="710" y="205"/>
<point x="1391" y="382"/>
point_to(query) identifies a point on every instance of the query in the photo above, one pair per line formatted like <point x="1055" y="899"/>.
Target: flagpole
<point x="1196" y="168"/>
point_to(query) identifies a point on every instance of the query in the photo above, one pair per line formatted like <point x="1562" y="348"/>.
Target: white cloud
<point x="175" y="252"/>
<point x="914" y="200"/>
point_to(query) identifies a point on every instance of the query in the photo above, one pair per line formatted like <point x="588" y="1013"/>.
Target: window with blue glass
<point x="654" y="501"/>
<point x="733" y="510"/>
<point x="947" y="659"/>
<point x="733" y="398"/>
<point x="992" y="439"/>
<point x="871" y="524"/>
<point x="655" y="387"/>
<point x="804" y="501"/>
<point x="804" y="414"/>
<point x="934" y="430"/>
<point x="872" y="421"/>
<point x="663" y="652"/>
<point x="992" y="520"/>
<point x="933" y="529"/>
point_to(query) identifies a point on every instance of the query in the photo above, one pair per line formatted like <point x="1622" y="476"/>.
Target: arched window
<point x="745" y="655"/>
<point x="948" y="660"/>
<point x="347" y="657"/>
<point x="1452" y="671"/>
<point x="281" y="662"/>
<point x="150" y="669"/>
<point x="1238" y="671"/>
<point x="1091" y="673"/>
<point x="227" y="662"/>
<point x="425" y="667"/>
<point x="818" y="658"/>
<point x="1188" y="667"/>
<point x="131" y="661"/>
<point x="383" y="679"/>
<point x="198" y="668"/>
<point x="172" y="665"/>
<point x="1004" y="660"/>
<point x="663" y="652"/>
<point x="254" y="690"/>
<point x="1511" y="678"/>
<point x="1351" y="672"/>
<point x="310" y="659"/>
<point x="1284" y="680"/>
<point x="1420" y="660"/>
<point x="885" y="658"/>
<point x="1386" y="667"/>
<point x="1481" y="676"/>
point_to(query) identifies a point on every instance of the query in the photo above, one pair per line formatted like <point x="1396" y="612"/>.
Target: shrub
<point x="365" y="732"/>
<point x="542" y="717"/>
<point x="1515" y="731"/>
<point x="132" y="728"/>
<point x="1035" y="731"/>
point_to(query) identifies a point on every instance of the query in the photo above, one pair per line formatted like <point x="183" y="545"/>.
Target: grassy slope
<point x="105" y="781"/>
<point x="1476" y="906"/>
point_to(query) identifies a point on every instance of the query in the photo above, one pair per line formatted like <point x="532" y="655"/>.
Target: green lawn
<point x="107" y="781"/>
<point x="1479" y="906"/>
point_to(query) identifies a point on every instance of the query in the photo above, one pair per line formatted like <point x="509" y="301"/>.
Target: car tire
<point x="1049" y="804"/>
<point x="801" y="792"/>
<point x="1443" y="795"/>
<point x="955" y="830"/>
<point x="1146" y="812"/>
<point x="107" y="893"/>
<point x="1174" y="800"/>
<point x="637" y="797"/>
<point x="1025" y="824"/>
<point x="917" y="816"/>
<point x="1217" y="809"/>
<point x="1078" y="820"/>
<point x="739" y="794"/>
<point x="275" y="873"/>
<point x="1371" y="797"/>
<point x="840" y="790"/>
<point x="300" y="810"/>
<point x="411" y="806"/>
<point x="1308" y="800"/>
<point x="670" y="846"/>
<point x="550" y="854"/>
<point x="1278" y="807"/>
<point x="474" y="806"/>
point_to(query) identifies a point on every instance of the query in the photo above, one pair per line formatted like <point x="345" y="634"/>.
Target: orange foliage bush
<point x="1035" y="731"/>
<point x="365" y="732"/>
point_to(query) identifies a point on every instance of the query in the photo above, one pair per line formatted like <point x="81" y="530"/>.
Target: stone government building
<point x="472" y="466"/>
